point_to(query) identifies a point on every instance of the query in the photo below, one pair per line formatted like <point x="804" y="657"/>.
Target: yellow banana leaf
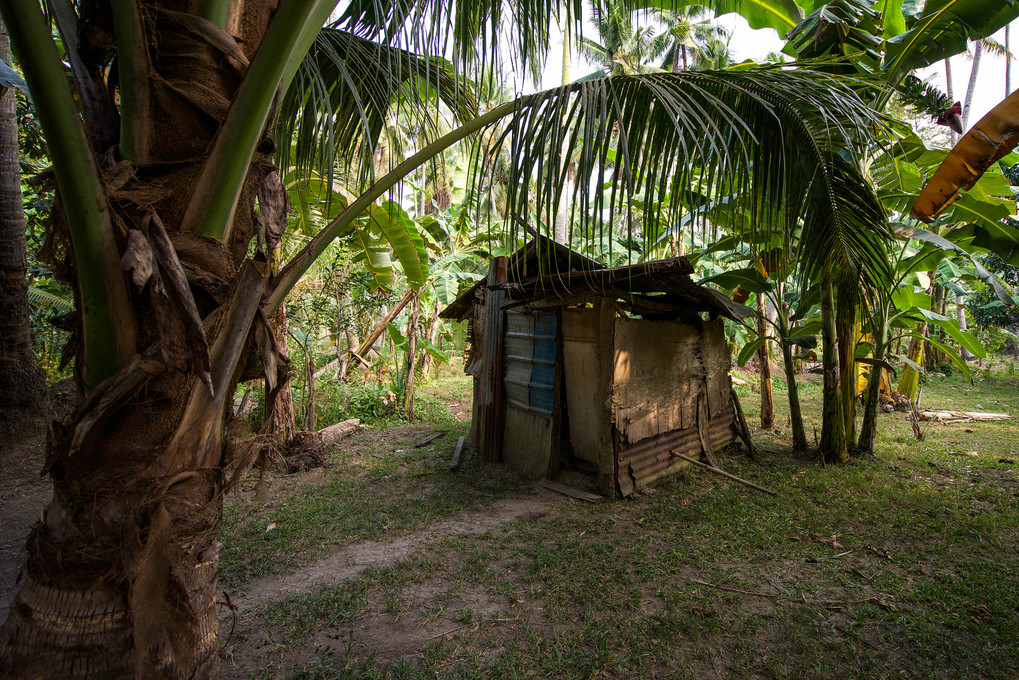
<point x="991" y="139"/>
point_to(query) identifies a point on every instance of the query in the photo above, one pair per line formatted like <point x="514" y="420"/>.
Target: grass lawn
<point x="903" y="565"/>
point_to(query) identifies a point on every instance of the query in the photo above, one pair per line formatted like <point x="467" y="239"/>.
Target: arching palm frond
<point x="336" y="107"/>
<point x="781" y="147"/>
<point x="479" y="32"/>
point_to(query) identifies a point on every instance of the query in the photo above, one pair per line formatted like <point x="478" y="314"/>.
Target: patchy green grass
<point x="901" y="565"/>
<point x="376" y="486"/>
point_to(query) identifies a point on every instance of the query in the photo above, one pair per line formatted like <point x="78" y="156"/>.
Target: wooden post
<point x="606" y="372"/>
<point x="490" y="413"/>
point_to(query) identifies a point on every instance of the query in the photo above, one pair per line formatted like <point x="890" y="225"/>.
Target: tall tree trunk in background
<point x="868" y="431"/>
<point x="562" y="218"/>
<point x="795" y="412"/>
<point x="1008" y="60"/>
<point x="978" y="51"/>
<point x="427" y="360"/>
<point x="22" y="383"/>
<point x="960" y="311"/>
<point x="764" y="359"/>
<point x="953" y="136"/>
<point x="833" y="424"/>
<point x="412" y="350"/>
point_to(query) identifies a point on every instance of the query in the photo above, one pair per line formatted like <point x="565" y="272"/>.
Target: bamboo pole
<point x="723" y="473"/>
<point x="377" y="332"/>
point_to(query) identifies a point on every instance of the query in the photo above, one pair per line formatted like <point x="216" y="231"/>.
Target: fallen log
<point x="961" y="416"/>
<point x="328" y="436"/>
<point x="429" y="439"/>
<point x="307" y="450"/>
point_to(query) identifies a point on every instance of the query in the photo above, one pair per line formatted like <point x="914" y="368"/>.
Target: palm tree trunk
<point x="848" y="331"/>
<point x="22" y="384"/>
<point x="795" y="412"/>
<point x="412" y="350"/>
<point x="953" y="136"/>
<point x="833" y="424"/>
<point x="764" y="359"/>
<point x="978" y="51"/>
<point x="960" y="311"/>
<point x="1008" y="60"/>
<point x="868" y="431"/>
<point x="120" y="579"/>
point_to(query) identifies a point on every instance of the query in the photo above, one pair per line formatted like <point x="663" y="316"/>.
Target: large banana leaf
<point x="782" y="15"/>
<point x="942" y="29"/>
<point x="984" y="144"/>
<point x="400" y="232"/>
<point x="374" y="252"/>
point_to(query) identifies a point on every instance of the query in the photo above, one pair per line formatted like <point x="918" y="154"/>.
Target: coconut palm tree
<point x="22" y="387"/>
<point x="623" y="47"/>
<point x="693" y="37"/>
<point x="157" y="213"/>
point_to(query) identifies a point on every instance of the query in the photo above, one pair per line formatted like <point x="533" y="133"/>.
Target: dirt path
<point x="348" y="561"/>
<point x="386" y="634"/>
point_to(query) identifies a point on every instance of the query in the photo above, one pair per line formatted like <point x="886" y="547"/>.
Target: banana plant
<point x="769" y="277"/>
<point x="902" y="310"/>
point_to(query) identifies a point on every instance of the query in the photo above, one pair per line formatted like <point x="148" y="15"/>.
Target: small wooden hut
<point x="609" y="370"/>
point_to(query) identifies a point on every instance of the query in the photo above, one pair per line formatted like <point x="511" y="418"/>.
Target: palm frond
<point x="782" y="146"/>
<point x="337" y="105"/>
<point x="480" y="33"/>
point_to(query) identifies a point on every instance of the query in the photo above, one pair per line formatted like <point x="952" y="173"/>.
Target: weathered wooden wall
<point x="660" y="369"/>
<point x="582" y="380"/>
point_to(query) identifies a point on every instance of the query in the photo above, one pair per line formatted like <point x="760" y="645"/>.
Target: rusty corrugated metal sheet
<point x="649" y="460"/>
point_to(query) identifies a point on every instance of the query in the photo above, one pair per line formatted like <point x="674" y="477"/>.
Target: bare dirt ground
<point x="383" y="632"/>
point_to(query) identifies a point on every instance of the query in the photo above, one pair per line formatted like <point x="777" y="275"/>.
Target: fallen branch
<point x="328" y="436"/>
<point x="429" y="439"/>
<point x="960" y="416"/>
<point x="831" y="557"/>
<point x="723" y="473"/>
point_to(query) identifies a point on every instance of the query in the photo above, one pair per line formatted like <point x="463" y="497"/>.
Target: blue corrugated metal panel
<point x="529" y="361"/>
<point x="542" y="397"/>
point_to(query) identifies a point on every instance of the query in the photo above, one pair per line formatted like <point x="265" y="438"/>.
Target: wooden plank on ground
<point x="569" y="491"/>
<point x="457" y="453"/>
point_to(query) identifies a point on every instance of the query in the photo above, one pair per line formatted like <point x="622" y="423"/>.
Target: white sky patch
<point x="756" y="44"/>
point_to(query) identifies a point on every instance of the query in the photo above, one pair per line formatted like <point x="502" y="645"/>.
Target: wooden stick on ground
<point x="429" y="439"/>
<point x="723" y="473"/>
